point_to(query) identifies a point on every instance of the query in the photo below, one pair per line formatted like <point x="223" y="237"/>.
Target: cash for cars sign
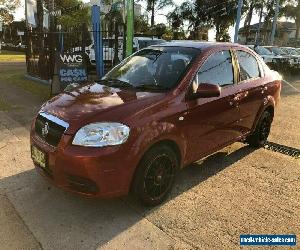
<point x="71" y="69"/>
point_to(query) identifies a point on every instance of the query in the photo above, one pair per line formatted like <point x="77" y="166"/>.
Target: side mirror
<point x="206" y="90"/>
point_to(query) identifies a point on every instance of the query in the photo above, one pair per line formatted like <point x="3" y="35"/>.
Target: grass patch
<point x="12" y="56"/>
<point x="4" y="106"/>
<point x="18" y="79"/>
<point x="8" y="52"/>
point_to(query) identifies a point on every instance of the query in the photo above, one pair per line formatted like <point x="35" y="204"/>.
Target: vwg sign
<point x="71" y="58"/>
<point x="71" y="69"/>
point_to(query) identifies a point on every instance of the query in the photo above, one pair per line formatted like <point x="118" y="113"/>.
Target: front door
<point x="212" y="122"/>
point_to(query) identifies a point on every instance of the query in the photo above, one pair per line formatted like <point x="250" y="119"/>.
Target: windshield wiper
<point x="151" y="87"/>
<point x="117" y="83"/>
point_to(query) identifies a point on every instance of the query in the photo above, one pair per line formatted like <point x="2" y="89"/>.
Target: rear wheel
<point x="155" y="175"/>
<point x="262" y="130"/>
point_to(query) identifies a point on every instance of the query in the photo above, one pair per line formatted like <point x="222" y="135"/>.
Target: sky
<point x="159" y="18"/>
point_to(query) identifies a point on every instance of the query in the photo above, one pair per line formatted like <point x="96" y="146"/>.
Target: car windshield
<point x="263" y="51"/>
<point x="157" y="68"/>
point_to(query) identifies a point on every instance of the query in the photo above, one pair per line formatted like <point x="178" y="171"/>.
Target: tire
<point x="260" y="135"/>
<point x="155" y="175"/>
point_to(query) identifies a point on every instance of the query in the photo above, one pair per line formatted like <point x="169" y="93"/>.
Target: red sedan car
<point x="159" y="110"/>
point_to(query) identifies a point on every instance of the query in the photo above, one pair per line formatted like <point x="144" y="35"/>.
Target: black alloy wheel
<point x="155" y="175"/>
<point x="262" y="130"/>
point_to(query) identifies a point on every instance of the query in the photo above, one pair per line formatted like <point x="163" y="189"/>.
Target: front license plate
<point x="38" y="156"/>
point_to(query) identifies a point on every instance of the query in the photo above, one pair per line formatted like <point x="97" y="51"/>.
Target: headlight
<point x="101" y="134"/>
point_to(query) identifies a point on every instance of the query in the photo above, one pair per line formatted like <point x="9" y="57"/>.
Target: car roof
<point x="197" y="44"/>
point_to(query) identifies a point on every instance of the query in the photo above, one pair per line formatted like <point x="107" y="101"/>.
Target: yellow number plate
<point x="38" y="156"/>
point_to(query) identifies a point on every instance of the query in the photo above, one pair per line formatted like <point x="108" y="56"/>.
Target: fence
<point x="43" y="47"/>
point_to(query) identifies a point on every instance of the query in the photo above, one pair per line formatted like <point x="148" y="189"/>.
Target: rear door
<point x="250" y="94"/>
<point x="212" y="122"/>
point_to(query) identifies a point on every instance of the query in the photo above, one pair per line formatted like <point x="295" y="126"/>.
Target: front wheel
<point x="262" y="130"/>
<point x="155" y="175"/>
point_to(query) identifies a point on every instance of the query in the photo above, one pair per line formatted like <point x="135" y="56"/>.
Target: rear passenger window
<point x="217" y="69"/>
<point x="249" y="67"/>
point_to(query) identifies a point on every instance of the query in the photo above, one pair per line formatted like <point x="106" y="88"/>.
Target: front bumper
<point x="95" y="172"/>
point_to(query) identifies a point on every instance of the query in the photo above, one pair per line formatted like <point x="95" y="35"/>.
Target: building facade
<point x="284" y="36"/>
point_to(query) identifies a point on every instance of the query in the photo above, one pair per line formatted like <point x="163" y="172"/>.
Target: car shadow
<point x="197" y="173"/>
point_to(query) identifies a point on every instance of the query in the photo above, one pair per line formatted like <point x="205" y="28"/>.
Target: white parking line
<point x="291" y="85"/>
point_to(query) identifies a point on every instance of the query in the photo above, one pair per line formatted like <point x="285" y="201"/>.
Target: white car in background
<point x="143" y="42"/>
<point x="294" y="55"/>
<point x="109" y="47"/>
<point x="272" y="60"/>
<point x="108" y="50"/>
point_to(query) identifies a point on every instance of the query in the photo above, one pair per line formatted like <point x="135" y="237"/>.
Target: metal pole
<point x="129" y="30"/>
<point x="26" y="20"/>
<point x="97" y="40"/>
<point x="238" y="20"/>
<point x="1" y="28"/>
<point x="274" y="22"/>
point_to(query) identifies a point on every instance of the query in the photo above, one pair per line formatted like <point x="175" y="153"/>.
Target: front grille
<point x="49" y="128"/>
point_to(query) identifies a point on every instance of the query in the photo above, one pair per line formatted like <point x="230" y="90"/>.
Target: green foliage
<point x="141" y="25"/>
<point x="155" y="5"/>
<point x="175" y="19"/>
<point x="7" y="9"/>
<point x="158" y="30"/>
<point x="73" y="16"/>
<point x="292" y="10"/>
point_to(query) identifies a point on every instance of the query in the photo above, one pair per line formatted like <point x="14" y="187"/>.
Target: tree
<point x="293" y="11"/>
<point x="114" y="18"/>
<point x="159" y="29"/>
<point x="141" y="25"/>
<point x="253" y="6"/>
<point x="7" y="9"/>
<point x="155" y="5"/>
<point x="175" y="19"/>
<point x="220" y="14"/>
<point x="74" y="14"/>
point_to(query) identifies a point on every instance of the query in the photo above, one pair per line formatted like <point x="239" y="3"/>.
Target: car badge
<point x="45" y="129"/>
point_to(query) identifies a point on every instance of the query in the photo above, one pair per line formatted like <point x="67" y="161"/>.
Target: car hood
<point x="96" y="103"/>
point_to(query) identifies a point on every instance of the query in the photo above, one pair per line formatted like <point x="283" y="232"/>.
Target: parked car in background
<point x="143" y="42"/>
<point x="159" y="110"/>
<point x="288" y="62"/>
<point x="273" y="61"/>
<point x="293" y="54"/>
<point x="109" y="48"/>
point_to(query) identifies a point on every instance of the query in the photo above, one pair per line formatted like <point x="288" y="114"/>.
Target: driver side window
<point x="217" y="69"/>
